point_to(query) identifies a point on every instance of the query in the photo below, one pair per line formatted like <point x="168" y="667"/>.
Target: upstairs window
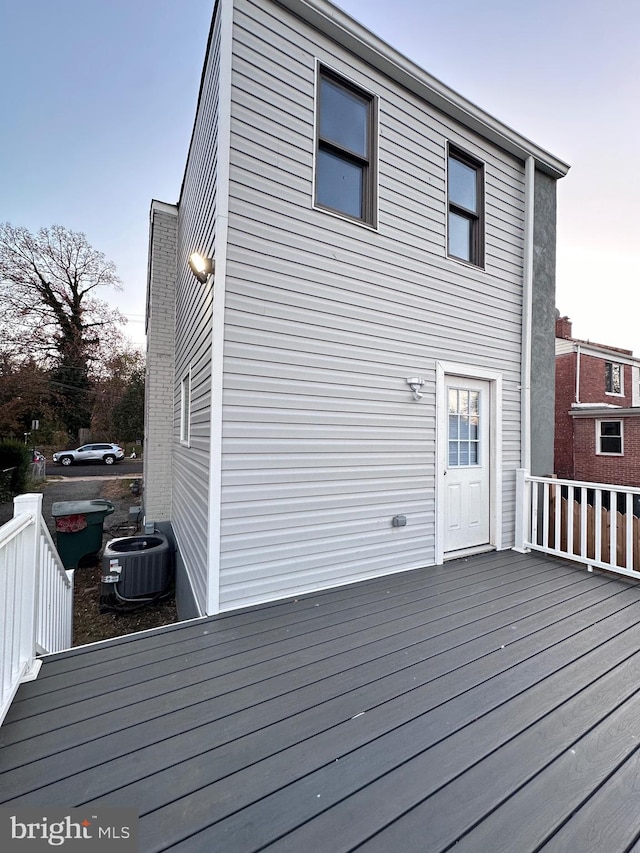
<point x="609" y="438"/>
<point x="345" y="168"/>
<point x="613" y="378"/>
<point x="465" y="199"/>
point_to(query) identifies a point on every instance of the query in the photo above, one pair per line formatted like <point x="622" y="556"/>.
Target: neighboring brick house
<point x="597" y="436"/>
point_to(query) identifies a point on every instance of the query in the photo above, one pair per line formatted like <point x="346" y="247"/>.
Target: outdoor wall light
<point x="201" y="267"/>
<point x="416" y="383"/>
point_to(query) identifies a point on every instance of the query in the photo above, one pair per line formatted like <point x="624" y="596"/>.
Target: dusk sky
<point x="98" y="100"/>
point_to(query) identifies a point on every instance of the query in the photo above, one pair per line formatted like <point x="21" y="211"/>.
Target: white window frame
<point x="620" y="367"/>
<point x="370" y="221"/>
<point x="477" y="217"/>
<point x="599" y="422"/>
<point x="635" y="386"/>
<point x="185" y="409"/>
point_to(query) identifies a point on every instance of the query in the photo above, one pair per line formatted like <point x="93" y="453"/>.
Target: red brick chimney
<point x="563" y="328"/>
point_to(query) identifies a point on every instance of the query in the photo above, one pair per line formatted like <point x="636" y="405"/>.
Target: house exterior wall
<point x="592" y="381"/>
<point x="158" y="429"/>
<point x="197" y="227"/>
<point x="587" y="383"/>
<point x="305" y="439"/>
<point x="323" y="443"/>
<point x="565" y="397"/>
<point x="617" y="470"/>
<point x="581" y="382"/>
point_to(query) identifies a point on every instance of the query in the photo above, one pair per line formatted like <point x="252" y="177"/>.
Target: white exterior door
<point x="467" y="468"/>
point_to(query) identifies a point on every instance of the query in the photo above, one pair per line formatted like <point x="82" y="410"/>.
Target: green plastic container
<point x="79" y="528"/>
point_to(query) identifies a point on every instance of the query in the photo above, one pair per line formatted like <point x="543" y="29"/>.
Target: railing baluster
<point x="583" y="521"/>
<point x="628" y="519"/>
<point x="558" y="514"/>
<point x="570" y="516"/>
<point x="613" y="527"/>
<point x="545" y="514"/>
<point x="597" y="507"/>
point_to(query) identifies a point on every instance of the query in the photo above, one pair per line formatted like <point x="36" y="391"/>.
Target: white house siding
<point x="564" y="346"/>
<point x="322" y="441"/>
<point x="196" y="232"/>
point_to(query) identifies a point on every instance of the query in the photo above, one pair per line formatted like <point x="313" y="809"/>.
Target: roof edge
<point x="342" y="28"/>
<point x="162" y="207"/>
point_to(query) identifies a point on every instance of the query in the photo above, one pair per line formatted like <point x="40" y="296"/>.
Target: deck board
<point x="412" y="712"/>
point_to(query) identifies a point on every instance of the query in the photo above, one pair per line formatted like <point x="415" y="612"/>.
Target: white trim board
<point x="469" y="371"/>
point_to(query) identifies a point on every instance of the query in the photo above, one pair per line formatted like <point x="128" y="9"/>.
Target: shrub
<point x="15" y="462"/>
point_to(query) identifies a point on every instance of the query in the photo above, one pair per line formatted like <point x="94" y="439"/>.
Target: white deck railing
<point x="36" y="597"/>
<point x="592" y="523"/>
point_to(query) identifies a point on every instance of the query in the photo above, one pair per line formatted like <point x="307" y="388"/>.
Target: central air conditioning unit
<point x="136" y="570"/>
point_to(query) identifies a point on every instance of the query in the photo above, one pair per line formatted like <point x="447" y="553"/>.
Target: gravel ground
<point x="89" y="624"/>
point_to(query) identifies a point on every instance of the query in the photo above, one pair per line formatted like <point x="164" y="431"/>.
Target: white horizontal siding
<point x="324" y="320"/>
<point x="197" y="227"/>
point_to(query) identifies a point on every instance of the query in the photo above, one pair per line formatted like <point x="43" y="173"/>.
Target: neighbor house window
<point x="613" y="378"/>
<point x="465" y="197"/>
<point x="345" y="167"/>
<point x="185" y="408"/>
<point x="609" y="437"/>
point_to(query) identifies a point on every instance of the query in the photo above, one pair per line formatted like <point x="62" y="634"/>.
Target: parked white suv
<point x="107" y="453"/>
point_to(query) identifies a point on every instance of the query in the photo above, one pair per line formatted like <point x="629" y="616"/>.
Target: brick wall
<point x="159" y="393"/>
<point x="593" y="384"/>
<point x="617" y="470"/>
<point x="568" y="455"/>
<point x="565" y="395"/>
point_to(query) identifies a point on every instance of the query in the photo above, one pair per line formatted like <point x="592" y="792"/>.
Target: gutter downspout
<point x="527" y="313"/>
<point x="578" y="354"/>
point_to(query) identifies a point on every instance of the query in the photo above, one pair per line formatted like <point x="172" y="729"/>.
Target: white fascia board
<point x="604" y="412"/>
<point x="162" y="207"/>
<point x="597" y="351"/>
<point x="341" y="28"/>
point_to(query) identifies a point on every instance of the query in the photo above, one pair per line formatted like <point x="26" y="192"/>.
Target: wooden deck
<point x="492" y="704"/>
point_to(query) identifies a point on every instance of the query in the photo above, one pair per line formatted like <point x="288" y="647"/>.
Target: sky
<point x="98" y="97"/>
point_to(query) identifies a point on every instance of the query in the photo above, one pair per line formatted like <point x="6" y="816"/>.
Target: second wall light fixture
<point x="201" y="267"/>
<point x="416" y="383"/>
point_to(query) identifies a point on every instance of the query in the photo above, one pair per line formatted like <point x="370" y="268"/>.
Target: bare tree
<point x="51" y="313"/>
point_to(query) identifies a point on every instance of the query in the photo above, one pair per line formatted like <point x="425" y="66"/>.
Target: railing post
<point x="32" y="505"/>
<point x="522" y="510"/>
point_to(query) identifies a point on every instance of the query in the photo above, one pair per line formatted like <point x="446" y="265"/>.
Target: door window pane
<point x="464" y="427"/>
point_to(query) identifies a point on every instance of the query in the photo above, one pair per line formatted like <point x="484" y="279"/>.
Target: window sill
<point x="469" y="264"/>
<point x="343" y="217"/>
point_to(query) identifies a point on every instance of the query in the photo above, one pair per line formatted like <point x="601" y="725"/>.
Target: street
<point x="126" y="468"/>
